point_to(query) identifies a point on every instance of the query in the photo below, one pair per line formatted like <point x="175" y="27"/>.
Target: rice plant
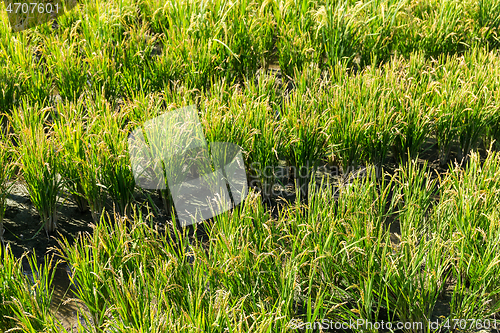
<point x="7" y="165"/>
<point x="396" y="85"/>
<point x="468" y="211"/>
<point x="305" y="137"/>
<point x="414" y="117"/>
<point x="69" y="130"/>
<point x="417" y="193"/>
<point x="65" y="61"/>
<point x="339" y="32"/>
<point x="110" y="136"/>
<point x="39" y="158"/>
<point x="265" y="147"/>
<point x="362" y="124"/>
<point x="90" y="176"/>
<point x="25" y="296"/>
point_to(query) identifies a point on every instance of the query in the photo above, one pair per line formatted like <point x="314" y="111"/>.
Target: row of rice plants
<point x="368" y="137"/>
<point x="354" y="120"/>
<point x="109" y="49"/>
<point x="394" y="109"/>
<point x="329" y="259"/>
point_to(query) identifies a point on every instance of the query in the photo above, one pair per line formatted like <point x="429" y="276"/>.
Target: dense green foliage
<point x="377" y="84"/>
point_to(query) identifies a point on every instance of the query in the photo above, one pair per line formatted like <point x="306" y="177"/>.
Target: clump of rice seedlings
<point x="132" y="260"/>
<point x="28" y="116"/>
<point x="304" y="48"/>
<point x="243" y="43"/>
<point x="356" y="132"/>
<point x="116" y="175"/>
<point x="417" y="192"/>
<point x="411" y="128"/>
<point x="86" y="258"/>
<point x="40" y="167"/>
<point x="164" y="70"/>
<point x="135" y="52"/>
<point x="440" y="28"/>
<point x="266" y="139"/>
<point x="223" y="121"/>
<point x="375" y="103"/>
<point x="445" y="124"/>
<point x="305" y="138"/>
<point x="7" y="167"/>
<point x="258" y="238"/>
<point x="25" y="296"/>
<point x="37" y="84"/>
<point x="475" y="119"/>
<point x="468" y="213"/>
<point x="90" y="176"/>
<point x="339" y="32"/>
<point x="479" y="90"/>
<point x="68" y="67"/>
<point x="382" y="33"/>
<point x="70" y="131"/>
<point x="449" y="104"/>
<point x="264" y="154"/>
<point x="380" y="132"/>
<point x="362" y="211"/>
<point x="81" y="158"/>
<point x="222" y="118"/>
<point x="414" y="278"/>
<point x="153" y="13"/>
<point x="39" y="158"/>
<point x="419" y="264"/>
<point x="10" y="268"/>
<point x="119" y="180"/>
<point x="104" y="73"/>
<point x="334" y="244"/>
<point x="313" y="235"/>
<point x="413" y="121"/>
<point x="468" y="96"/>
<point x="31" y="304"/>
<point x="9" y="89"/>
<point x="345" y="135"/>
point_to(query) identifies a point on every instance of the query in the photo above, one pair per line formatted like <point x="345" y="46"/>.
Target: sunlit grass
<point x="399" y="89"/>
